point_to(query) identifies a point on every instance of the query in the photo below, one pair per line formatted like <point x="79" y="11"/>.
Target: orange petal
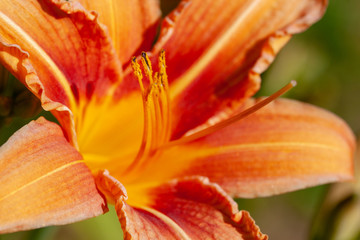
<point x="204" y="211"/>
<point x="132" y="24"/>
<point x="191" y="208"/>
<point x="286" y="145"/>
<point x="135" y="222"/>
<point x="216" y="51"/>
<point x="44" y="181"/>
<point x="60" y="51"/>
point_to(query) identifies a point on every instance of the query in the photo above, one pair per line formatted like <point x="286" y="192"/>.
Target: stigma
<point x="237" y="117"/>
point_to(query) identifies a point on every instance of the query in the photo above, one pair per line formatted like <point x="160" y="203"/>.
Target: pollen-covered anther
<point x="155" y="103"/>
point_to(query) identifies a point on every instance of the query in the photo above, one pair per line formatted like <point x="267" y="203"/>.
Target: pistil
<point x="233" y="119"/>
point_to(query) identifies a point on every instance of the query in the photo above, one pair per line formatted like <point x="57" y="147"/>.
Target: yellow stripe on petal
<point x="23" y="37"/>
<point x="44" y="181"/>
<point x="48" y="174"/>
<point x="168" y="221"/>
<point x="240" y="21"/>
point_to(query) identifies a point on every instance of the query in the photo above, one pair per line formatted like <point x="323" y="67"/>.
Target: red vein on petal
<point x="42" y="177"/>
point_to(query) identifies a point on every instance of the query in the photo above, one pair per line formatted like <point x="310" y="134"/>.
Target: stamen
<point x="233" y="119"/>
<point x="156" y="107"/>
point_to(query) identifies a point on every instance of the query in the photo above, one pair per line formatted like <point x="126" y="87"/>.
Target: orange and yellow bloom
<point x="152" y="136"/>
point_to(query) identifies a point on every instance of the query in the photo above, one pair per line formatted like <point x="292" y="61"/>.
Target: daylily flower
<point x="157" y="142"/>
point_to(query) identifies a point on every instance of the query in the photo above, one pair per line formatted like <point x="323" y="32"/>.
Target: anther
<point x="147" y="66"/>
<point x="137" y="72"/>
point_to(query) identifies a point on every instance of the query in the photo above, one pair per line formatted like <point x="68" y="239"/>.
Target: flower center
<point x="156" y="106"/>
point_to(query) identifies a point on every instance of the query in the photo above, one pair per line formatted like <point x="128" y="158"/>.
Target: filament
<point x="233" y="119"/>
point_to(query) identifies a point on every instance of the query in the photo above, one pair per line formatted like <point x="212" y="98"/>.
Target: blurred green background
<point x="325" y="60"/>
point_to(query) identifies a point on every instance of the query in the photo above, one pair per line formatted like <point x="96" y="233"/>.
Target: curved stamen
<point x="232" y="119"/>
